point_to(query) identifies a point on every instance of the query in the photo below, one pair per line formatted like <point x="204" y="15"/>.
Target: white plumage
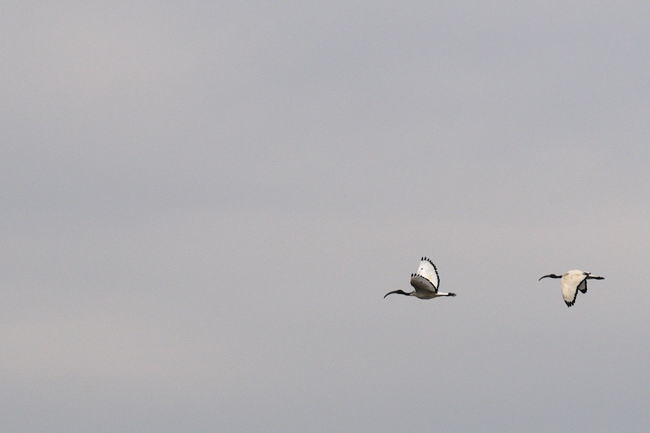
<point x="571" y="282"/>
<point x="425" y="282"/>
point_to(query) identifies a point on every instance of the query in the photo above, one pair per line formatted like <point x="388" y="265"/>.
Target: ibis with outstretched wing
<point x="571" y="282"/>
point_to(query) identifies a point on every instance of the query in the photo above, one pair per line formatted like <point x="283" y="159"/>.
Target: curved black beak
<point x="401" y="292"/>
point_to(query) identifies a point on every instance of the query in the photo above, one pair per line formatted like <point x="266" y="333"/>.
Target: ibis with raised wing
<point x="425" y="282"/>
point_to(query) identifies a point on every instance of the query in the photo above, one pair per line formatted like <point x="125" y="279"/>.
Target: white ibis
<point x="425" y="281"/>
<point x="571" y="282"/>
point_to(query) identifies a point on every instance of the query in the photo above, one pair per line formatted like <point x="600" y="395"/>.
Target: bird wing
<point x="570" y="283"/>
<point x="427" y="271"/>
<point x="583" y="286"/>
<point x="422" y="285"/>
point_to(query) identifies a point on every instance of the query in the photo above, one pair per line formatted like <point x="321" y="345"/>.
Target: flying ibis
<point x="571" y="282"/>
<point x="425" y="282"/>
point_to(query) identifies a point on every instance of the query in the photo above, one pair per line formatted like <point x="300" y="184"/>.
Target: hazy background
<point x="203" y="204"/>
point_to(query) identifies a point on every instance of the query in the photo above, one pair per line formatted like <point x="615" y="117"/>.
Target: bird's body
<point x="571" y="282"/>
<point x="425" y="282"/>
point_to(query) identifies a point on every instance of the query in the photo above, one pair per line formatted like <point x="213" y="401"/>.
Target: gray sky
<point x="203" y="204"/>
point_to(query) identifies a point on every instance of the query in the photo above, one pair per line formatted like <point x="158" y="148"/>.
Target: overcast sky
<point x="203" y="204"/>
